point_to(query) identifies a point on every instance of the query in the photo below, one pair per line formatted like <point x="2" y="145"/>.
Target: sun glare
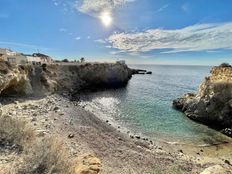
<point x="106" y="19"/>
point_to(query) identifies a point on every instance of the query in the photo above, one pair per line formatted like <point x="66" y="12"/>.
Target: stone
<point x="56" y="108"/>
<point x="228" y="162"/>
<point x="71" y="136"/>
<point x="88" y="164"/>
<point x="217" y="169"/>
<point x="33" y="119"/>
<point x="212" y="103"/>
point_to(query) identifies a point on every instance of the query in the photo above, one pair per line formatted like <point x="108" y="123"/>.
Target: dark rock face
<point x="212" y="104"/>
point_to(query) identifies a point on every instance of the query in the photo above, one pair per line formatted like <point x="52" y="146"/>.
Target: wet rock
<point x="227" y="131"/>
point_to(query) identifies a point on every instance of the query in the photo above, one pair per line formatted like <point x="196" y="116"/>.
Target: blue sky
<point x="195" y="32"/>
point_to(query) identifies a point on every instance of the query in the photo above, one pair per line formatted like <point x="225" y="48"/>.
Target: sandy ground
<point x="118" y="152"/>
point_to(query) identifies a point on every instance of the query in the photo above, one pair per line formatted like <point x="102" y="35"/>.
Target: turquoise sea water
<point x="145" y="105"/>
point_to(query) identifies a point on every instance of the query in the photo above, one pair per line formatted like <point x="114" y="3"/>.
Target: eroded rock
<point x="212" y="104"/>
<point x="88" y="164"/>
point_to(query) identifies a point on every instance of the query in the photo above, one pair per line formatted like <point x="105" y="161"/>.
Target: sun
<point x="106" y="18"/>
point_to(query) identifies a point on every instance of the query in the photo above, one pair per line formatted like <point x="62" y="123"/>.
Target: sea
<point x="144" y="106"/>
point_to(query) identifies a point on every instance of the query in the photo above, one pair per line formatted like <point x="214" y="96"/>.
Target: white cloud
<point x="95" y="7"/>
<point x="101" y="41"/>
<point x="162" y="8"/>
<point x="193" y="38"/>
<point x="62" y="29"/>
<point x="78" y="38"/>
<point x="185" y="7"/>
<point x="55" y="2"/>
<point x="22" y="45"/>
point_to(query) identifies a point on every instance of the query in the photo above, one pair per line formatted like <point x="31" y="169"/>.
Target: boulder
<point x="212" y="103"/>
<point x="88" y="164"/>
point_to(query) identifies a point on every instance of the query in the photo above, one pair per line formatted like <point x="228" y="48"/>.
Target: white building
<point x="121" y="62"/>
<point x="19" y="58"/>
<point x="12" y="57"/>
<point x="33" y="60"/>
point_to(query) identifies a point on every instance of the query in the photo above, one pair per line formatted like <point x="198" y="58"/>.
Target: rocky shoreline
<point x="212" y="104"/>
<point x="93" y="145"/>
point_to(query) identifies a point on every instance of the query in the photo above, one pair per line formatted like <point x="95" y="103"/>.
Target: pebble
<point x="56" y="109"/>
<point x="227" y="162"/>
<point x="71" y="136"/>
<point x="34" y="119"/>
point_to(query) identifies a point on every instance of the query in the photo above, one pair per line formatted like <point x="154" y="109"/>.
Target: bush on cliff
<point x="225" y="65"/>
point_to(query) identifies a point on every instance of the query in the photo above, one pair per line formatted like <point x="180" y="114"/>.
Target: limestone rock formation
<point x="212" y="104"/>
<point x="39" y="80"/>
<point x="88" y="164"/>
<point x="13" y="80"/>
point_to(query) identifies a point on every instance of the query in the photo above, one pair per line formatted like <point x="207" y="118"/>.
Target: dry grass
<point x="34" y="155"/>
<point x="14" y="132"/>
<point x="174" y="169"/>
<point x="46" y="157"/>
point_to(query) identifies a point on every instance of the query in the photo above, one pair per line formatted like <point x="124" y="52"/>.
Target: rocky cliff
<point x="38" y="80"/>
<point x="212" y="104"/>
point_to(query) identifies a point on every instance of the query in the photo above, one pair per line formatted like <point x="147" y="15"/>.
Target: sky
<point x="184" y="32"/>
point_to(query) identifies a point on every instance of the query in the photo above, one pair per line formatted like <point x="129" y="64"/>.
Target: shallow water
<point x="145" y="105"/>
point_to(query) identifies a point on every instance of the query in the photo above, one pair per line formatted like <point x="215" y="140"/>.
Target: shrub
<point x="14" y="132"/>
<point x="34" y="155"/>
<point x="225" y="65"/>
<point x="47" y="156"/>
<point x="65" y="60"/>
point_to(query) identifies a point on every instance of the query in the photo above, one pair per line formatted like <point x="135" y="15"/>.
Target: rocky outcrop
<point x="212" y="104"/>
<point x="13" y="80"/>
<point x="88" y="164"/>
<point x="39" y="80"/>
